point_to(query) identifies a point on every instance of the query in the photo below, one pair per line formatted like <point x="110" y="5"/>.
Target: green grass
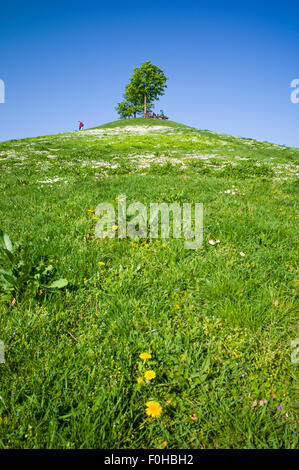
<point x="143" y="122"/>
<point x="218" y="325"/>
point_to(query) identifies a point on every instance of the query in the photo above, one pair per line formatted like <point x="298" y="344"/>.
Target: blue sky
<point x="230" y="64"/>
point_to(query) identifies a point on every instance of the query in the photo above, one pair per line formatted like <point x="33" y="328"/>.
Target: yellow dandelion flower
<point x="101" y="263"/>
<point x="115" y="227"/>
<point x="150" y="374"/>
<point x="177" y="306"/>
<point x="164" y="246"/>
<point x="145" y="356"/>
<point x="140" y="380"/>
<point x="153" y="409"/>
<point x="164" y="444"/>
<point x="146" y="245"/>
<point x="90" y="210"/>
<point x="95" y="218"/>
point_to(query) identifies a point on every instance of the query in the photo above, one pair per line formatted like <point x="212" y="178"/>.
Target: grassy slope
<point x="143" y="122"/>
<point x="218" y="325"/>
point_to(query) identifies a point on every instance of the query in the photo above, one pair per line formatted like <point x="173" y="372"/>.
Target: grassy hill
<point x="217" y="321"/>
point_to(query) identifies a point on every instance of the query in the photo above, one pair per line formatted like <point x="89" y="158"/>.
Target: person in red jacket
<point x="80" y="125"/>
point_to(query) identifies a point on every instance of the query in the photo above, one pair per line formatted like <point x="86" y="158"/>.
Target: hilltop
<point x="132" y="144"/>
<point x="143" y="122"/>
<point x="217" y="321"/>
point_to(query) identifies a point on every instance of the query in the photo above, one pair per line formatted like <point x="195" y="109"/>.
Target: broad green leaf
<point x="7" y="242"/>
<point x="58" y="284"/>
<point x="8" y="254"/>
<point x="7" y="276"/>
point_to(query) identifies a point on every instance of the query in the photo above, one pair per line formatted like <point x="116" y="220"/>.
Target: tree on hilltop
<point x="147" y="84"/>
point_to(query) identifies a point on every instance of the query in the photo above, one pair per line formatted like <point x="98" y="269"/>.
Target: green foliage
<point x="20" y="276"/>
<point x="147" y="80"/>
<point x="147" y="84"/>
<point x="126" y="109"/>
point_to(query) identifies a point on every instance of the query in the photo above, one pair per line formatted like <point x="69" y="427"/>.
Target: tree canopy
<point x="146" y="85"/>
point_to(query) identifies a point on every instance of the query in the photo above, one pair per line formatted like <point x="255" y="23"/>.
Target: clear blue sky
<point x="229" y="63"/>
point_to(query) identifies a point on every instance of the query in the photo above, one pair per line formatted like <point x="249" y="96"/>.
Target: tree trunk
<point x="145" y="104"/>
<point x="134" y="114"/>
